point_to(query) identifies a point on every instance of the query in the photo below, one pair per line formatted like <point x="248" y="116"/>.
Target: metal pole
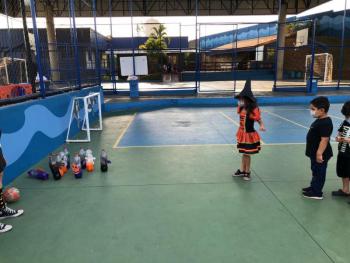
<point x="69" y="48"/>
<point x="196" y="42"/>
<point x="132" y="37"/>
<point x="75" y="43"/>
<point x="276" y="61"/>
<point x="312" y="56"/>
<point x="179" y="64"/>
<point x="112" y="65"/>
<point x="97" y="55"/>
<point x="341" y="63"/>
<point x="199" y="67"/>
<point x="38" y="48"/>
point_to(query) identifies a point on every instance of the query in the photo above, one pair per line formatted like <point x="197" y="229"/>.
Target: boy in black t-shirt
<point x="318" y="147"/>
<point x="343" y="161"/>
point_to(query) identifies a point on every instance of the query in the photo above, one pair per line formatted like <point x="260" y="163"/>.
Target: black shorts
<point x="343" y="166"/>
<point x="2" y="161"/>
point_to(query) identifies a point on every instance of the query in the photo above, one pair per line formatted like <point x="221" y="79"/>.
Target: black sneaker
<point x="340" y="192"/>
<point x="8" y="212"/>
<point x="4" y="228"/>
<point x="306" y="189"/>
<point x="238" y="173"/>
<point x="312" y="195"/>
<point x="246" y="177"/>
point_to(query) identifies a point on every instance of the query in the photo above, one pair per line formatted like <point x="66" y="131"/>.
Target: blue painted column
<point x="37" y="48"/>
<point x="199" y="61"/>
<point x="275" y="63"/>
<point x="310" y="85"/>
<point x="75" y="43"/>
<point x="133" y="80"/>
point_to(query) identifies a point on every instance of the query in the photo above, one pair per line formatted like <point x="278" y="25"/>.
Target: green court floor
<point x="178" y="203"/>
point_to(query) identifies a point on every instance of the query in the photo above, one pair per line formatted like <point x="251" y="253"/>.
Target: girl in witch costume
<point x="248" y="139"/>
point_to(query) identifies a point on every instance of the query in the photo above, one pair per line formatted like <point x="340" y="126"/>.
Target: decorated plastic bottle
<point x="62" y="162"/>
<point x="76" y="166"/>
<point x="82" y="155"/>
<point x="66" y="152"/>
<point x="38" y="173"/>
<point x="90" y="160"/>
<point x="104" y="161"/>
<point x="54" y="166"/>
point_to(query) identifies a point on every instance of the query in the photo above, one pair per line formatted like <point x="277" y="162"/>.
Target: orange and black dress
<point x="248" y="139"/>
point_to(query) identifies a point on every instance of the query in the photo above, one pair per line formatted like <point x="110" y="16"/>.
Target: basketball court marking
<point x="121" y="135"/>
<point x="230" y="119"/>
<point x="173" y="145"/>
<point x="227" y="117"/>
<point x="335" y="117"/>
<point x="296" y="123"/>
<point x="285" y="119"/>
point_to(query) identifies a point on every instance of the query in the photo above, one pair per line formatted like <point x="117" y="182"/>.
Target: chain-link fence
<point x="46" y="58"/>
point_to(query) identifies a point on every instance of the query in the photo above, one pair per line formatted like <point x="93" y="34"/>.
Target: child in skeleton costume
<point x="5" y="211"/>
<point x="343" y="161"/>
<point x="248" y="139"/>
<point x="104" y="161"/>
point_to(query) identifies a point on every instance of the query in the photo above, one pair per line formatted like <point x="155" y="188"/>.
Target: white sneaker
<point x="246" y="177"/>
<point x="9" y="212"/>
<point x="4" y="228"/>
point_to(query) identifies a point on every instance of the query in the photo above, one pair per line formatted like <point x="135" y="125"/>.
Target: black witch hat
<point x="247" y="92"/>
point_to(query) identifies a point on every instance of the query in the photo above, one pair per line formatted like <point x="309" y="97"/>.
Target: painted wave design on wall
<point x="37" y="119"/>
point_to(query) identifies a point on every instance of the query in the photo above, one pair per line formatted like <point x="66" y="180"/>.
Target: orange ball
<point x="11" y="195"/>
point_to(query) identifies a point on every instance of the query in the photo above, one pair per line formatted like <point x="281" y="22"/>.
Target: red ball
<point x="11" y="195"/>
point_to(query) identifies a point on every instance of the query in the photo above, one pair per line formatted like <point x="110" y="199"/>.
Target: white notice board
<point x="141" y="67"/>
<point x="302" y="36"/>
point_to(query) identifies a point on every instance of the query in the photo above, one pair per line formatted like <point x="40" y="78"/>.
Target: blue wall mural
<point x="220" y="39"/>
<point x="329" y="24"/>
<point x="33" y="129"/>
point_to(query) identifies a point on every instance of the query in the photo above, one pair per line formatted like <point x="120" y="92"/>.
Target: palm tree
<point x="157" y="41"/>
<point x="155" y="45"/>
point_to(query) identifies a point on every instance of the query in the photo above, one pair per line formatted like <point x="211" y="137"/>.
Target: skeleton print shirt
<point x="344" y="131"/>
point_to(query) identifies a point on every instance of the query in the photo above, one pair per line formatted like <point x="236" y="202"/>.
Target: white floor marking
<point x="283" y="118"/>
